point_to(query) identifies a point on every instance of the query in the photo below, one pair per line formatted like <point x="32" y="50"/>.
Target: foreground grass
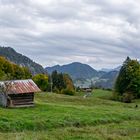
<point x="72" y="117"/>
<point x="123" y="131"/>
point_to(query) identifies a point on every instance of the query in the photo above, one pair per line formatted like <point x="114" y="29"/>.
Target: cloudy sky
<point x="97" y="32"/>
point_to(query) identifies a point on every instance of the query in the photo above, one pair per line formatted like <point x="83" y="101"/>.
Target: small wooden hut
<point x="17" y="93"/>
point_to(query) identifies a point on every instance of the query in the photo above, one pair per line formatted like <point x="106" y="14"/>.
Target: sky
<point x="101" y="33"/>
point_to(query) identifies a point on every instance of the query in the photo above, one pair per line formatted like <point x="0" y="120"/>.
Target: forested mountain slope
<point x="17" y="58"/>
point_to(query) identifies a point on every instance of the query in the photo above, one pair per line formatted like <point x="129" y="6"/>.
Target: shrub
<point x="127" y="97"/>
<point x="67" y="92"/>
<point x="56" y="90"/>
<point x="117" y="97"/>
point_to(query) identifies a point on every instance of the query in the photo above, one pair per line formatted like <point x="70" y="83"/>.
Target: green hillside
<point x="61" y="117"/>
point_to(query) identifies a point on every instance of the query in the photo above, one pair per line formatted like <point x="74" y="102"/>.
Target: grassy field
<point x="61" y="117"/>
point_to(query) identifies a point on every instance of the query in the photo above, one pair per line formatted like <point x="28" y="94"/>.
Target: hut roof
<point x="21" y="86"/>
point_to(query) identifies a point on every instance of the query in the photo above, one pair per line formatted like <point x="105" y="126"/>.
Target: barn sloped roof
<point x="21" y="86"/>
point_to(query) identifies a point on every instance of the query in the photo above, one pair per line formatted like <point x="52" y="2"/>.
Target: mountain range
<point x="82" y="75"/>
<point x="85" y="76"/>
<point x="76" y="70"/>
<point x="107" y="80"/>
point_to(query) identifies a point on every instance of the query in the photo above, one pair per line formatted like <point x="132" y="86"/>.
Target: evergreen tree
<point x="128" y="80"/>
<point x="122" y="79"/>
<point x="55" y="81"/>
<point x="133" y="72"/>
<point x="61" y="81"/>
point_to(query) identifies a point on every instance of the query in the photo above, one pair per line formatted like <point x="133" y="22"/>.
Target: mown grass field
<point x="62" y="117"/>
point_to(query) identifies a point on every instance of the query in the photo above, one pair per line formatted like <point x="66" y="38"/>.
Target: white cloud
<point x="100" y="33"/>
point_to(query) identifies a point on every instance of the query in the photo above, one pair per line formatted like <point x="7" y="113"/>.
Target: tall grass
<point x="58" y="116"/>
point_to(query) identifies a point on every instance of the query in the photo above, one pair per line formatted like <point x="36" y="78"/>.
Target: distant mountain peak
<point x="76" y="70"/>
<point x="76" y="63"/>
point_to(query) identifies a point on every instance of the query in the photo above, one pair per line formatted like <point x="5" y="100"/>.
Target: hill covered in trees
<point x="76" y="70"/>
<point x="17" y="58"/>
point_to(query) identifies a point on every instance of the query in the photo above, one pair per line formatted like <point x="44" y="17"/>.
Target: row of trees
<point x="10" y="71"/>
<point x="128" y="82"/>
<point x="61" y="81"/>
<point x="56" y="82"/>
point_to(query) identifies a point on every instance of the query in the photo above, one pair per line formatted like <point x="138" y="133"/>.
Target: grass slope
<point x="61" y="117"/>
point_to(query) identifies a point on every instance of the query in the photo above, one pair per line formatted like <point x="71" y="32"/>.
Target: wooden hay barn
<point x="17" y="93"/>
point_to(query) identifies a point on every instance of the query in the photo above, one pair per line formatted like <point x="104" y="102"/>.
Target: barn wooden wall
<point x="25" y="99"/>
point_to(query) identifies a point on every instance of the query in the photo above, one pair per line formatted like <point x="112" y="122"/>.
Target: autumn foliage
<point x="11" y="71"/>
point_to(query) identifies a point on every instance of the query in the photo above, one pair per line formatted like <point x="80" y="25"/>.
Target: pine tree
<point x="128" y="80"/>
<point x="122" y="79"/>
<point x="61" y="81"/>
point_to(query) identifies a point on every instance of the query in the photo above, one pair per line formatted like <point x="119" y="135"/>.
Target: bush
<point x="117" y="97"/>
<point x="67" y="92"/>
<point x="127" y="97"/>
<point x="56" y="90"/>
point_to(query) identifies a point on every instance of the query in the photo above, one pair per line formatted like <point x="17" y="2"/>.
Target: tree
<point x="2" y="75"/>
<point x="58" y="81"/>
<point x="10" y="71"/>
<point x="62" y="83"/>
<point x="27" y="73"/>
<point x="68" y="81"/>
<point x="6" y="69"/>
<point x="122" y="79"/>
<point x="54" y="78"/>
<point x="128" y="81"/>
<point x="133" y="72"/>
<point x="42" y="81"/>
<point x="18" y="72"/>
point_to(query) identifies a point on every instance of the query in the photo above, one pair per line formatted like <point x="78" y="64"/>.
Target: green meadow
<point x="63" y="117"/>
